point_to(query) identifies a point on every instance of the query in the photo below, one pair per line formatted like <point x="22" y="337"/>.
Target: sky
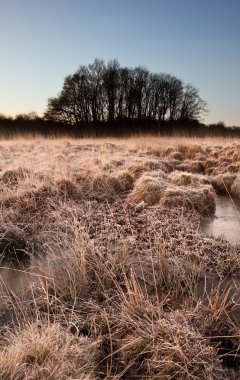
<point x="41" y="42"/>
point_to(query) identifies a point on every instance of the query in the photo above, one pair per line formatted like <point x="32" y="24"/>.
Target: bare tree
<point x="99" y="92"/>
<point x="95" y="73"/>
<point x="111" y="85"/>
<point x="192" y="107"/>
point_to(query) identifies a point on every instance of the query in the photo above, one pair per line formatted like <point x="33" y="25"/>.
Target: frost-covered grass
<point x="120" y="281"/>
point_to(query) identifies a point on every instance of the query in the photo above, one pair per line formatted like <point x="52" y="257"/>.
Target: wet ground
<point x="17" y="278"/>
<point x="226" y="221"/>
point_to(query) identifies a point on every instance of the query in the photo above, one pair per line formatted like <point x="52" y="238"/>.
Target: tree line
<point x="31" y="125"/>
<point x="102" y="99"/>
<point x="101" y="92"/>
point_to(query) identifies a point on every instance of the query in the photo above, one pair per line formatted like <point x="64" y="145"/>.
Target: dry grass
<point x="147" y="189"/>
<point x="47" y="352"/>
<point x="223" y="183"/>
<point x="163" y="346"/>
<point x="201" y="200"/>
<point x="116" y="261"/>
<point x="235" y="188"/>
<point x="180" y="178"/>
<point x="155" y="190"/>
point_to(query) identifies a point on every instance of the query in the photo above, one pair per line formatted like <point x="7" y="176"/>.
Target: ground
<point x="105" y="270"/>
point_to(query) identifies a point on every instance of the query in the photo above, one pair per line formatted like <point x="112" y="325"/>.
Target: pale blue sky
<point x="42" y="41"/>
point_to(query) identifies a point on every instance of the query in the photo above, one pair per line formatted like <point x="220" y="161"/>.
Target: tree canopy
<point x="101" y="92"/>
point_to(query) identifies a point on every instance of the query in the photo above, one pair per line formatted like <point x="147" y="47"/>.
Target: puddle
<point x="226" y="221"/>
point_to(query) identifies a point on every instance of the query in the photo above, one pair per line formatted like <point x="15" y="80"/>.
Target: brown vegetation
<point x="155" y="190"/>
<point x="120" y="281"/>
<point x="235" y="189"/>
<point x="223" y="183"/>
<point x="44" y="352"/>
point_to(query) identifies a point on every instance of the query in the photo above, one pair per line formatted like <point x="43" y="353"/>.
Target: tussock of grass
<point x="138" y="168"/>
<point x="126" y="180"/>
<point x="147" y="189"/>
<point x="210" y="165"/>
<point x="222" y="183"/>
<point x="196" y="166"/>
<point x="67" y="188"/>
<point x="201" y="200"/>
<point x="180" y="178"/>
<point x="47" y="352"/>
<point x="105" y="184"/>
<point x="235" y="189"/>
<point x="176" y="155"/>
<point x="164" y="346"/>
<point x="153" y="190"/>
<point x="189" y="151"/>
<point x="216" y="318"/>
<point x="12" y="178"/>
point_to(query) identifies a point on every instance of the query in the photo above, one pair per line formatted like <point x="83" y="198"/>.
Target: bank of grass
<point x="120" y="281"/>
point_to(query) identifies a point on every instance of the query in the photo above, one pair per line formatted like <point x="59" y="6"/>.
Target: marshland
<point x="110" y="268"/>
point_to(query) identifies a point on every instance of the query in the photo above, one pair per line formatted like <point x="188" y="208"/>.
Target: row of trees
<point x="32" y="125"/>
<point x="102" y="92"/>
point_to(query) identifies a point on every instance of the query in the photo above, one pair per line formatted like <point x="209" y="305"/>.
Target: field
<point x="105" y="270"/>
